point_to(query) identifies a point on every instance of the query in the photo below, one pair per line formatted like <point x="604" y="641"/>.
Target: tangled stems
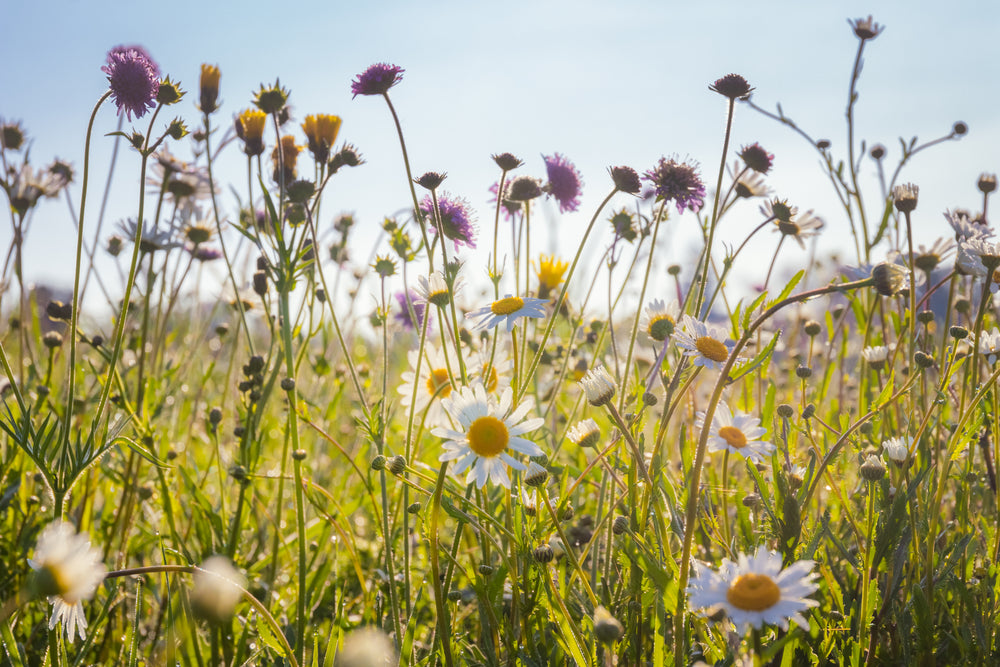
<point x="691" y="513"/>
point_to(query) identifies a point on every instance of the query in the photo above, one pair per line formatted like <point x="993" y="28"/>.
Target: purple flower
<point x="564" y="182"/>
<point x="134" y="79"/>
<point x="508" y="207"/>
<point x="419" y="307"/>
<point x="679" y="182"/>
<point x="377" y="79"/>
<point x="456" y="219"/>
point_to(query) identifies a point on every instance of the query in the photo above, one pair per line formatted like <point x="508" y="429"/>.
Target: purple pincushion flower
<point x="377" y="79"/>
<point x="407" y="300"/>
<point x="679" y="182"/>
<point x="456" y="219"/>
<point x="134" y="79"/>
<point x="564" y="182"/>
<point x="509" y="208"/>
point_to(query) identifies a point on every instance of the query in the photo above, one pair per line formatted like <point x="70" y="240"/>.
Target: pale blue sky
<point x="604" y="83"/>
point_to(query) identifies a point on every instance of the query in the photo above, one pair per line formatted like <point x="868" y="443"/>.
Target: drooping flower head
<point x="134" y="79"/>
<point x="457" y="219"/>
<point x="488" y="429"/>
<point x="626" y="179"/>
<point x="564" y="182"/>
<point x="755" y="590"/>
<point x="377" y="79"/>
<point x="678" y="182"/>
<point x="989" y="345"/>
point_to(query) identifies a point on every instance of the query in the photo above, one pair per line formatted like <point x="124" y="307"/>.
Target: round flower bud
<point x="287" y="384"/>
<point x="649" y="398"/>
<point x="299" y="455"/>
<point x="959" y="128"/>
<point x="803" y="372"/>
<point x="607" y="628"/>
<point x="260" y="283"/>
<point x="598" y="385"/>
<point x="987" y="183"/>
<point x="809" y="411"/>
<point x="485" y="570"/>
<point x="52" y="340"/>
<point x="962" y="305"/>
<point x="812" y="328"/>
<point x="97" y="341"/>
<point x="255" y="365"/>
<point x="751" y="500"/>
<point x="866" y="428"/>
<point x="877" y="152"/>
<point x="958" y="332"/>
<point x="507" y="162"/>
<point x="889" y="279"/>
<point x="238" y="472"/>
<point x="620" y="525"/>
<point x="535" y="475"/>
<point x="905" y="197"/>
<point x="543" y="554"/>
<point x="378" y="463"/>
<point x="239" y="431"/>
<point x="785" y="411"/>
<point x="922" y="359"/>
<point x="397" y="465"/>
<point x="215" y="416"/>
<point x="823" y="144"/>
<point x="414" y="508"/>
<point x="454" y="596"/>
<point x="873" y="469"/>
<point x="925" y="316"/>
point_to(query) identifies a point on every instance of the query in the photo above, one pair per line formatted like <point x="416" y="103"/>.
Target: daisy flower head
<point x="898" y="449"/>
<point x="564" y="182"/>
<point x="709" y="345"/>
<point x="584" y="434"/>
<point x="978" y="257"/>
<point x="457" y="219"/>
<point x="965" y="227"/>
<point x="134" y="78"/>
<point x="432" y="386"/>
<point x="989" y="345"/>
<point x="377" y="79"/>
<point x="927" y="259"/>
<point x="218" y="588"/>
<point x="748" y="183"/>
<point x="755" y="590"/>
<point x="495" y="376"/>
<point x="68" y="570"/>
<point x="509" y="308"/>
<point x="876" y="356"/>
<point x="598" y="385"/>
<point x="660" y="319"/>
<point x="489" y="428"/>
<point x="434" y="290"/>
<point x="678" y="182"/>
<point x="799" y="227"/>
<point x="737" y="433"/>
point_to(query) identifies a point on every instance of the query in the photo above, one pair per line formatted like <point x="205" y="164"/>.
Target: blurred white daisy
<point x="975" y="254"/>
<point x="738" y="433"/>
<point x="218" y="588"/>
<point x="598" y="385"/>
<point x="509" y="308"/>
<point x="660" y="319"/>
<point x="434" y="290"/>
<point x="67" y="570"/>
<point x="755" y="590"/>
<point x="989" y="345"/>
<point x="800" y="227"/>
<point x="433" y="385"/>
<point x="965" y="226"/>
<point x="709" y="345"/>
<point x="496" y="376"/>
<point x="898" y="449"/>
<point x="489" y="428"/>
<point x="876" y="356"/>
<point x="585" y="433"/>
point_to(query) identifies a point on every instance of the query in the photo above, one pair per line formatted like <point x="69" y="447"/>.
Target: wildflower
<point x="626" y="179"/>
<point x="456" y="217"/>
<point x="433" y="384"/>
<point x="434" y="290"/>
<point x="660" y="319"/>
<point x="535" y="475"/>
<point x="488" y="429"/>
<point x="509" y="308"/>
<point x="67" y="570"/>
<point x="751" y="184"/>
<point x="550" y="274"/>
<point x="150" y="238"/>
<point x="755" y="590"/>
<point x="987" y="183"/>
<point x="623" y="222"/>
<point x="979" y="257"/>
<point x="965" y="226"/>
<point x="347" y="156"/>
<point x="431" y="180"/>
<point x="384" y="266"/>
<point x="709" y="345"/>
<point x="873" y="469"/>
<point x="169" y="92"/>
<point x="898" y="449"/>
<point x="377" y="79"/>
<point x="366" y="647"/>
<point x="584" y="434"/>
<point x="250" y="128"/>
<point x="407" y="300"/>
<point x="875" y="356"/>
<point x="733" y="86"/>
<point x="218" y="588"/>
<point x="28" y="186"/>
<point x="889" y="278"/>
<point x="877" y="152"/>
<point x="866" y="29"/>
<point x="598" y="385"/>
<point x="905" y="197"/>
<point x="321" y="134"/>
<point x="134" y="79"/>
<point x="506" y="161"/>
<point x="758" y="159"/>
<point x="989" y="345"/>
<point x="205" y="253"/>
<point x="959" y="128"/>
<point x="495" y="375"/>
<point x="271" y="99"/>
<point x="778" y="209"/>
<point x="209" y="85"/>
<point x="564" y="182"/>
<point x="524" y="188"/>
<point x="737" y="433"/>
<point x="927" y="259"/>
<point x="805" y="226"/>
<point x="678" y="182"/>
<point x="11" y="135"/>
<point x="508" y="206"/>
<point x="285" y="156"/>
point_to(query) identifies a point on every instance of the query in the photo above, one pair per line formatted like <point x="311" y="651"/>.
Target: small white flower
<point x="585" y="433"/>
<point x="69" y="571"/>
<point x="218" y="588"/>
<point x="876" y="356"/>
<point x="499" y="371"/>
<point x="489" y="429"/>
<point x="660" y="319"/>
<point x="434" y="290"/>
<point x="755" y="590"/>
<point x="800" y="227"/>
<point x="598" y="385"/>
<point x="989" y="345"/>
<point x="975" y="253"/>
<point x="965" y="227"/>
<point x="434" y="384"/>
<point x="898" y="449"/>
<point x="366" y="647"/>
<point x="508" y="308"/>
<point x="737" y="433"/>
<point x="709" y="345"/>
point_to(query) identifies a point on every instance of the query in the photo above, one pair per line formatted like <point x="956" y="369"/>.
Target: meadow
<point x="610" y="455"/>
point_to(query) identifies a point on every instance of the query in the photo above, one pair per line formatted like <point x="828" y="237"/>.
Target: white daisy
<point x="927" y="259"/>
<point x="68" y="570"/>
<point x="499" y="372"/>
<point x="876" y="356"/>
<point x="755" y="590"/>
<point x="989" y="345"/>
<point x="598" y="385"/>
<point x="738" y="433"/>
<point x="585" y="433"/>
<point x="434" y="383"/>
<point x="975" y="253"/>
<point x="660" y="319"/>
<point x="508" y="308"/>
<point x="709" y="345"/>
<point x="489" y="429"/>
<point x="800" y="227"/>
<point x="218" y="588"/>
<point x="898" y="449"/>
<point x="434" y="290"/>
<point x="965" y="226"/>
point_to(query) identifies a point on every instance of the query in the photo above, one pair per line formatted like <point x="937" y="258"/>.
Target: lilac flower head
<point x="456" y="219"/>
<point x="134" y="79"/>
<point x="419" y="307"/>
<point x="509" y="207"/>
<point x="377" y="79"/>
<point x="679" y="182"/>
<point x="564" y="182"/>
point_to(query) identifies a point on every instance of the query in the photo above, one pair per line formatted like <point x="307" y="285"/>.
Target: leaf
<point x="267" y="636"/>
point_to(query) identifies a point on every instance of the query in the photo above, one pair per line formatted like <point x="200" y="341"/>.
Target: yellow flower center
<point x="996" y="277"/>
<point x="488" y="436"/>
<point x="733" y="436"/>
<point x="438" y="383"/>
<point x="494" y="379"/>
<point x="507" y="305"/>
<point x="711" y="349"/>
<point x="753" y="592"/>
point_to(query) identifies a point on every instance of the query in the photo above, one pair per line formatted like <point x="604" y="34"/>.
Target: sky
<point x="603" y="83"/>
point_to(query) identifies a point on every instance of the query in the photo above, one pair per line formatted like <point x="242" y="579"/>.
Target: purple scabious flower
<point x="377" y="79"/>
<point x="456" y="219"/>
<point x="679" y="182"/>
<point x="509" y="208"/>
<point x="419" y="308"/>
<point x="564" y="182"/>
<point x="134" y="79"/>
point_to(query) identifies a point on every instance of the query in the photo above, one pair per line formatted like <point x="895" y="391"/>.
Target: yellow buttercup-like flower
<point x="250" y="128"/>
<point x="321" y="131"/>
<point x="550" y="274"/>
